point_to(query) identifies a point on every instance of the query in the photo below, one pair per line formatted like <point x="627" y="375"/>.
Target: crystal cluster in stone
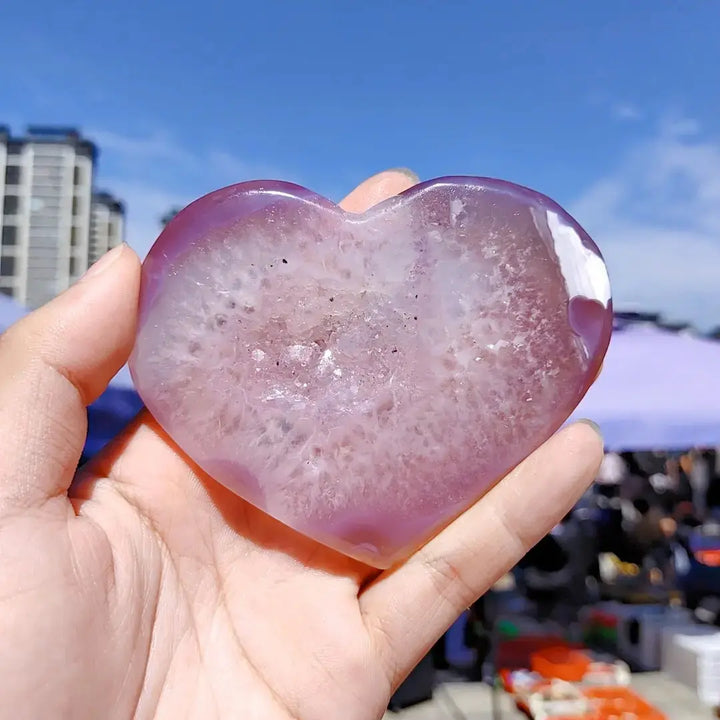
<point x="365" y="378"/>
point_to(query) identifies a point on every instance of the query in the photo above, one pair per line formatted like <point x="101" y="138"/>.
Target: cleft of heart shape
<point x="365" y="378"/>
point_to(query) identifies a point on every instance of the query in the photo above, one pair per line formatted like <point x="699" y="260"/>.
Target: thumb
<point x="55" y="362"/>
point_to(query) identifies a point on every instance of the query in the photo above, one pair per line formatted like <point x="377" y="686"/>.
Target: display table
<point x="473" y="701"/>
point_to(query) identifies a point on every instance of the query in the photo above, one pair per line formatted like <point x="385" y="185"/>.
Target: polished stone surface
<point x="365" y="378"/>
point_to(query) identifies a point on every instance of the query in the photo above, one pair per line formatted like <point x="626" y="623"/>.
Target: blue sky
<point x="612" y="108"/>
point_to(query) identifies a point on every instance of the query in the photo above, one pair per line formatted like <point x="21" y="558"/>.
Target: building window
<point x="75" y="236"/>
<point x="36" y="204"/>
<point x="9" y="235"/>
<point x="78" y="176"/>
<point x="12" y="175"/>
<point x="76" y="205"/>
<point x="73" y="266"/>
<point x="12" y="204"/>
<point x="7" y="266"/>
<point x="6" y="291"/>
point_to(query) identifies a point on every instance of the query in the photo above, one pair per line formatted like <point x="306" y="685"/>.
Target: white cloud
<point x="157" y="146"/>
<point x="657" y="221"/>
<point x="615" y="107"/>
<point x="626" y="111"/>
<point x="678" y="125"/>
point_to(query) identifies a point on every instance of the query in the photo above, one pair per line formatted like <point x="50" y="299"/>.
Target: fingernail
<point x="414" y="177"/>
<point x="594" y="426"/>
<point x="103" y="263"/>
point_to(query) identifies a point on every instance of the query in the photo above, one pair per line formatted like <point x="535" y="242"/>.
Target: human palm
<point x="140" y="588"/>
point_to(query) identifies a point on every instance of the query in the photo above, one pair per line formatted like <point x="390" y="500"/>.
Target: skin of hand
<point x="140" y="588"/>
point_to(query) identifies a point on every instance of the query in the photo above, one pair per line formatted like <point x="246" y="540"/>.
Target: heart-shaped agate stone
<point x="365" y="378"/>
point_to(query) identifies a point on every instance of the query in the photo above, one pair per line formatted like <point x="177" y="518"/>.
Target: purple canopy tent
<point x="657" y="390"/>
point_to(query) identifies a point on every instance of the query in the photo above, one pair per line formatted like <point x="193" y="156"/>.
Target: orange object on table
<point x="561" y="662"/>
<point x="619" y="702"/>
<point x="515" y="654"/>
<point x="711" y="558"/>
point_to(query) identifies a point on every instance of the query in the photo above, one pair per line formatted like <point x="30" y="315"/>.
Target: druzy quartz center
<point x="365" y="378"/>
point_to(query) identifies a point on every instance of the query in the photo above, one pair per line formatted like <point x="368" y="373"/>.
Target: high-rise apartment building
<point x="107" y="225"/>
<point x="46" y="193"/>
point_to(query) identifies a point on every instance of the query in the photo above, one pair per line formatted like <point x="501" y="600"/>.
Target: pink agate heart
<point x="365" y="378"/>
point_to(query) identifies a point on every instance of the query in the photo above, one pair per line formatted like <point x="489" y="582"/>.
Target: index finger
<point x="378" y="188"/>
